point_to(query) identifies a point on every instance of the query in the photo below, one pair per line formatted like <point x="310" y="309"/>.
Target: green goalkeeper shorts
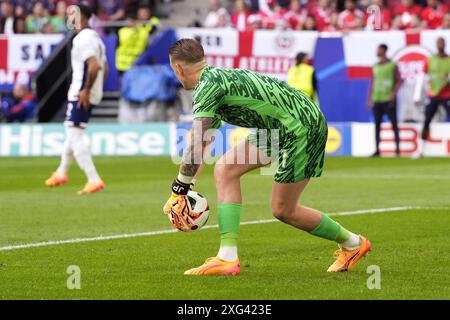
<point x="299" y="156"/>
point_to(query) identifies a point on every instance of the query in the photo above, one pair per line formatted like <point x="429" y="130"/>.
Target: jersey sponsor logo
<point x="282" y="162"/>
<point x="196" y="106"/>
<point x="280" y="171"/>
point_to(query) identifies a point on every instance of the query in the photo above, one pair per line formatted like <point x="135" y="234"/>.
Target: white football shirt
<point x="87" y="44"/>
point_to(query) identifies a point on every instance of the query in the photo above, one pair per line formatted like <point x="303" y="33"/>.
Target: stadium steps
<point x="108" y="109"/>
<point x="184" y="13"/>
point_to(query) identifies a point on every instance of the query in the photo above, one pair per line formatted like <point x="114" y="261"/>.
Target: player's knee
<point x="223" y="172"/>
<point x="219" y="171"/>
<point x="282" y="211"/>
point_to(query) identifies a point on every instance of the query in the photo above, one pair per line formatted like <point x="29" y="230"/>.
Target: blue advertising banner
<point x="339" y="139"/>
<point x="153" y="139"/>
<point x="226" y="137"/>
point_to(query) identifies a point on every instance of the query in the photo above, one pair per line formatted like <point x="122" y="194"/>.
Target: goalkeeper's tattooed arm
<point x="193" y="155"/>
<point x="177" y="205"/>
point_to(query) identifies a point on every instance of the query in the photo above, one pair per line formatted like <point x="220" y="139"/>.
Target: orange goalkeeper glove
<point x="179" y="207"/>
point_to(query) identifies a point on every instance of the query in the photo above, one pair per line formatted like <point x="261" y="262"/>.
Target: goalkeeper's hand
<point x="178" y="206"/>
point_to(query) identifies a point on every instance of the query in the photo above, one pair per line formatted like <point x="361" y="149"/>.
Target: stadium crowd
<point x="47" y="16"/>
<point x="329" y="15"/>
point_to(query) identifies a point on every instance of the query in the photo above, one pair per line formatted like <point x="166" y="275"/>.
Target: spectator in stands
<point x="112" y="10"/>
<point x="386" y="17"/>
<point x="351" y="18"/>
<point x="286" y="3"/>
<point x="20" y="13"/>
<point x="50" y="6"/>
<point x="296" y="15"/>
<point x="133" y="40"/>
<point x="19" y="107"/>
<point x="446" y="21"/>
<point x="253" y="5"/>
<point x="272" y="15"/>
<point x="416" y="24"/>
<point x="217" y="15"/>
<point x="37" y="21"/>
<point x="263" y="6"/>
<point x="254" y="22"/>
<point x="224" y="21"/>
<point x="9" y="23"/>
<point x="239" y="18"/>
<point x="333" y="26"/>
<point x="310" y="24"/>
<point x="404" y="13"/>
<point x="144" y="15"/>
<point x="25" y="6"/>
<point x="58" y="21"/>
<point x="322" y="13"/>
<point x="396" y="23"/>
<point x="434" y="12"/>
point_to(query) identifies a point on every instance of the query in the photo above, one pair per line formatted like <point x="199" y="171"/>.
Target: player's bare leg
<point x="227" y="173"/>
<point x="232" y="166"/>
<point x="286" y="208"/>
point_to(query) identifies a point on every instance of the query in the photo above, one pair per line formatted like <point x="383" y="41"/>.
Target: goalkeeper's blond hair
<point x="189" y="51"/>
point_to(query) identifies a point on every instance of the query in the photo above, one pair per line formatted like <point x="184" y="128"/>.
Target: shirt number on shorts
<point x="284" y="156"/>
<point x="69" y="110"/>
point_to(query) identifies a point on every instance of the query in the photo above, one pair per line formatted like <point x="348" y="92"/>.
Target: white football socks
<point x="79" y="144"/>
<point x="228" y="253"/>
<point x="353" y="242"/>
<point x="66" y="157"/>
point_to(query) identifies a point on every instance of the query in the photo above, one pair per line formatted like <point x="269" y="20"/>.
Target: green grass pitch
<point x="410" y="247"/>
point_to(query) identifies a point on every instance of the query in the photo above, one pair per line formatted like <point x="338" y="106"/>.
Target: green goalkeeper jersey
<point x="248" y="99"/>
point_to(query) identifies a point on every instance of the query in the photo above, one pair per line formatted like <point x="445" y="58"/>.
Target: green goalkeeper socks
<point x="331" y="230"/>
<point x="229" y="216"/>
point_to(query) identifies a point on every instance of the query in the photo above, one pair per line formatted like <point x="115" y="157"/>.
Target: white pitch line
<point x="348" y="213"/>
<point x="154" y="233"/>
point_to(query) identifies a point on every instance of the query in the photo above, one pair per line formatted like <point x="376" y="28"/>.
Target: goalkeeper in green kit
<point x="290" y="128"/>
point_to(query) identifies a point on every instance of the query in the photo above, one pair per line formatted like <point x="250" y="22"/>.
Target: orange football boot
<point x="92" y="187"/>
<point x="218" y="266"/>
<point x="347" y="259"/>
<point x="56" y="179"/>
